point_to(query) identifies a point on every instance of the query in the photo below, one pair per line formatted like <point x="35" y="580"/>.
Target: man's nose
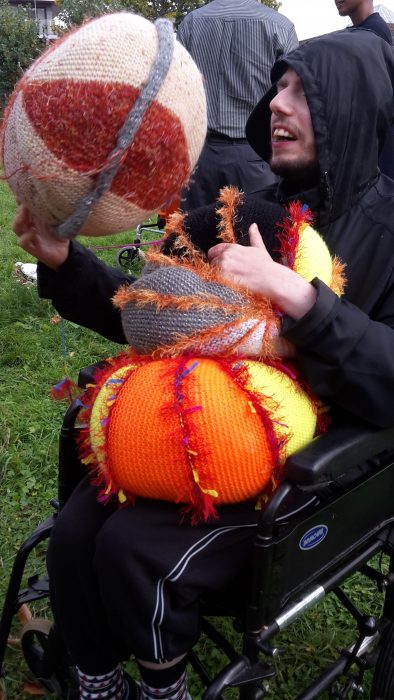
<point x="280" y="104"/>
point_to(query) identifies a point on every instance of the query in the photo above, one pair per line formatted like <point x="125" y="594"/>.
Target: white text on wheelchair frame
<point x="313" y="537"/>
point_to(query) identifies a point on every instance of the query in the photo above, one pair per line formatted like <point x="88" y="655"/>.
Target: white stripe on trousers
<point x="176" y="572"/>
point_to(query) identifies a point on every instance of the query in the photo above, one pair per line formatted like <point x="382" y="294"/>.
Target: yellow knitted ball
<point x="293" y="413"/>
<point x="312" y="256"/>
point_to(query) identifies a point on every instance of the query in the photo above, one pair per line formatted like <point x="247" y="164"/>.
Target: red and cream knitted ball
<point x="63" y="119"/>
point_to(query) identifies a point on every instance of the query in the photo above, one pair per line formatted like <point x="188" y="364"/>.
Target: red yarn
<point x="84" y="143"/>
<point x="289" y="231"/>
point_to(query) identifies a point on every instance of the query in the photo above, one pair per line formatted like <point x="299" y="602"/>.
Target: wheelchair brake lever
<point x="269" y="650"/>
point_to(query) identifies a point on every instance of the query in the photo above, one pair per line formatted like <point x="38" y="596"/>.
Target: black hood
<point x="348" y="79"/>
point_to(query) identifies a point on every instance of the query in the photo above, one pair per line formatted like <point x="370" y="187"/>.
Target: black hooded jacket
<point x="345" y="346"/>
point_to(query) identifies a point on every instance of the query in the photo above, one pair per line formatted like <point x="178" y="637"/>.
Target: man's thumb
<point x="255" y="237"/>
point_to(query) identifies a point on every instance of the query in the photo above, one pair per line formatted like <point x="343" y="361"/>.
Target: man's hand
<point x="244" y="265"/>
<point x="253" y="267"/>
<point x="37" y="239"/>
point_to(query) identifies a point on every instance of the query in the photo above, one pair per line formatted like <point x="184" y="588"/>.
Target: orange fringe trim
<point x="252" y="309"/>
<point x="338" y="277"/>
<point x="231" y="199"/>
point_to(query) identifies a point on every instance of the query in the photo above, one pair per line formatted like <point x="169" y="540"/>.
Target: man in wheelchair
<point x="128" y="581"/>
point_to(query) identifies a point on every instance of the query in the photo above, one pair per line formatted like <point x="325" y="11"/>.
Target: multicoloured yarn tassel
<point x="65" y="390"/>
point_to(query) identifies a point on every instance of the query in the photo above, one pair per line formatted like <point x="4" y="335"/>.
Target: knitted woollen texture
<point x="208" y="431"/>
<point x="215" y="307"/>
<point x="183" y="305"/>
<point x="63" y="119"/>
<point x="186" y="307"/>
<point x="158" y="72"/>
<point x="201" y="224"/>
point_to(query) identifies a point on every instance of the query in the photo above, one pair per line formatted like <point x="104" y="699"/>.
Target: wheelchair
<point x="329" y="518"/>
<point x="129" y="254"/>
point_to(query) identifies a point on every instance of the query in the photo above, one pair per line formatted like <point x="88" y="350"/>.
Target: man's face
<point x="346" y="7"/>
<point x="292" y="136"/>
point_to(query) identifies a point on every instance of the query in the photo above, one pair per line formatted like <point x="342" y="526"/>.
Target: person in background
<point x="363" y="15"/>
<point x="235" y="45"/>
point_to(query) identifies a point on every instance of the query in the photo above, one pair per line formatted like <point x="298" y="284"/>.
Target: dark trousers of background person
<point x="128" y="581"/>
<point x="224" y="161"/>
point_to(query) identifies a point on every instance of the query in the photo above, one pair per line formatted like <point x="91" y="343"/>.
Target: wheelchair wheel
<point x="41" y="651"/>
<point x="127" y="256"/>
<point x="383" y="679"/>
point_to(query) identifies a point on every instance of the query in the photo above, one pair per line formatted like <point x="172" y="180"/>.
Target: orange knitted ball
<point x="63" y="119"/>
<point x="195" y="431"/>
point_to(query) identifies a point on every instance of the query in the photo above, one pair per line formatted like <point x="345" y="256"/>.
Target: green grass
<point x="32" y="361"/>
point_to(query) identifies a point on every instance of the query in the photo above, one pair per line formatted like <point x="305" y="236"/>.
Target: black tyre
<point x="47" y="660"/>
<point x="383" y="679"/>
<point x="127" y="256"/>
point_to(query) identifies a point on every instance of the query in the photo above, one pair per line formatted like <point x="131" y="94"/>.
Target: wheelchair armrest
<point x="86" y="374"/>
<point x="332" y="454"/>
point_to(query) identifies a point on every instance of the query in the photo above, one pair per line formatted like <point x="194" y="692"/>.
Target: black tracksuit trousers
<point x="127" y="581"/>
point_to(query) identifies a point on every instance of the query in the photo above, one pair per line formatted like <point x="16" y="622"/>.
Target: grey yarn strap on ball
<point x="70" y="228"/>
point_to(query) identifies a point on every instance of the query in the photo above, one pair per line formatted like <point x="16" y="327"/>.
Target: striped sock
<point x="109" y="686"/>
<point x="176" y="691"/>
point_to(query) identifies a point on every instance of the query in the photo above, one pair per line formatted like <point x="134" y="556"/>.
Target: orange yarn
<point x="208" y="431"/>
<point x="174" y="437"/>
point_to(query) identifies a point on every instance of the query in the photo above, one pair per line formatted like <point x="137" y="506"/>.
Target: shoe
<point x="134" y="688"/>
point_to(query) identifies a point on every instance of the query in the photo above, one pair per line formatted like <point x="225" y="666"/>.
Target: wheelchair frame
<point x="304" y="548"/>
<point x="128" y="254"/>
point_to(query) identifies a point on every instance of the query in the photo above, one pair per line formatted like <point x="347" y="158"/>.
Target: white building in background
<point x="44" y="12"/>
<point x="385" y="13"/>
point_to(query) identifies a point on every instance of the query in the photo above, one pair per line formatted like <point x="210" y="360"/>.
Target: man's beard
<point x="302" y="174"/>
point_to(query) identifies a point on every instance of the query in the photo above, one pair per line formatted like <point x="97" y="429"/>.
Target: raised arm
<point x="78" y="283"/>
